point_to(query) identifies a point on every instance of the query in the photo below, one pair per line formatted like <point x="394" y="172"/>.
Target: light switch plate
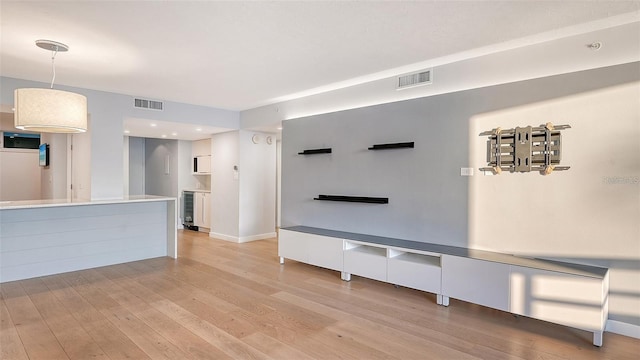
<point x="466" y="171"/>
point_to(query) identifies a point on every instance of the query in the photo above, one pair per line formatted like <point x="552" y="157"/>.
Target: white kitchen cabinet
<point x="480" y="282"/>
<point x="201" y="156"/>
<point x="201" y="147"/>
<point x="201" y="164"/>
<point x="202" y="209"/>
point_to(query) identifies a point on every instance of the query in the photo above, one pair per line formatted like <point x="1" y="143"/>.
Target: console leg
<point x="445" y="300"/>
<point x="597" y="338"/>
<point x="281" y="260"/>
<point x="438" y="299"/>
<point x="345" y="276"/>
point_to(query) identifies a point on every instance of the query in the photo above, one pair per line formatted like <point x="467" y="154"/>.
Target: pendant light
<point x="49" y="110"/>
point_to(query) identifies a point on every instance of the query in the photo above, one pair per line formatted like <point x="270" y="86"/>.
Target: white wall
<point x="257" y="185"/>
<point x="590" y="211"/>
<point x="125" y="165"/>
<point x="278" y="183"/>
<point x="243" y="200"/>
<point x="136" y="177"/>
<point x="19" y="175"/>
<point x="185" y="179"/>
<point x="225" y="187"/>
<point x="54" y="177"/>
<point x="81" y="164"/>
<point x="161" y="167"/>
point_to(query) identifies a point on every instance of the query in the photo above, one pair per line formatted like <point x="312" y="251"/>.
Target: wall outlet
<point x="466" y="171"/>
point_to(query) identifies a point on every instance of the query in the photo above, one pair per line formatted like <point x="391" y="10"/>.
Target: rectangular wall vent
<point x="148" y="104"/>
<point x="422" y="77"/>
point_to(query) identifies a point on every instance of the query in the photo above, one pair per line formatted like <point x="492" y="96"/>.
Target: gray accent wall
<point x="427" y="197"/>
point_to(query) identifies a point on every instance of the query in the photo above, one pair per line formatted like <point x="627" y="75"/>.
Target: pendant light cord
<point x="53" y="66"/>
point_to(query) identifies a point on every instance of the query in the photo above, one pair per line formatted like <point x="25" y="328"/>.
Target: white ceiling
<point x="168" y="130"/>
<point x="240" y="55"/>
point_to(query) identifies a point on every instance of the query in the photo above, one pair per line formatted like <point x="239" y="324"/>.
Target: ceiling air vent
<point x="422" y="77"/>
<point x="147" y="104"/>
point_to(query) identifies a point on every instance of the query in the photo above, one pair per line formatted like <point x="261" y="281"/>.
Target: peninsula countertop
<point x="29" y="204"/>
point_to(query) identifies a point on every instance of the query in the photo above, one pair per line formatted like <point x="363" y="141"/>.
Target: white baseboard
<point x="223" y="237"/>
<point x="622" y="328"/>
<point x="270" y="235"/>
<point x="242" y="239"/>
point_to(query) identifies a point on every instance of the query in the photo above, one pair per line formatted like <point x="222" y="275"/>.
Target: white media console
<point x="567" y="294"/>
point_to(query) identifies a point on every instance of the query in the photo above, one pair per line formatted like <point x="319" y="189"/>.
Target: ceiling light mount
<point x="52" y="45"/>
<point x="595" y="45"/>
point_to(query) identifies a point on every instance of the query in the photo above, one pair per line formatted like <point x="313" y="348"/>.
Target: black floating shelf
<point x="360" y="199"/>
<point x="392" y="146"/>
<point x="316" y="151"/>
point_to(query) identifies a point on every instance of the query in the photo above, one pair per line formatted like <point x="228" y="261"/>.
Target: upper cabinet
<point x="201" y="147"/>
<point x="201" y="153"/>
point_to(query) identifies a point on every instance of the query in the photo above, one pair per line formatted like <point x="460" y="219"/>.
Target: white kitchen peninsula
<point x="44" y="237"/>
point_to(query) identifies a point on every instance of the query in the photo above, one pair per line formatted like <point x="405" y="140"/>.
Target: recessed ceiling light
<point x="127" y="131"/>
<point x="164" y="136"/>
<point x="154" y="125"/>
<point x="279" y="127"/>
<point x="174" y="133"/>
<point x="198" y="129"/>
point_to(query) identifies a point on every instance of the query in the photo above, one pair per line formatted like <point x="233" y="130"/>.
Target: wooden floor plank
<point x="179" y="336"/>
<point x="274" y="348"/>
<point x="73" y="338"/>
<point x="11" y="346"/>
<point x="185" y="340"/>
<point x="228" y="344"/>
<point x="146" y="338"/>
<point x="37" y="339"/>
<point x="221" y="300"/>
<point x="398" y="343"/>
<point x="79" y="299"/>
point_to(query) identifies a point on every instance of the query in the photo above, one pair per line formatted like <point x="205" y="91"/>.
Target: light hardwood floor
<point x="221" y="300"/>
